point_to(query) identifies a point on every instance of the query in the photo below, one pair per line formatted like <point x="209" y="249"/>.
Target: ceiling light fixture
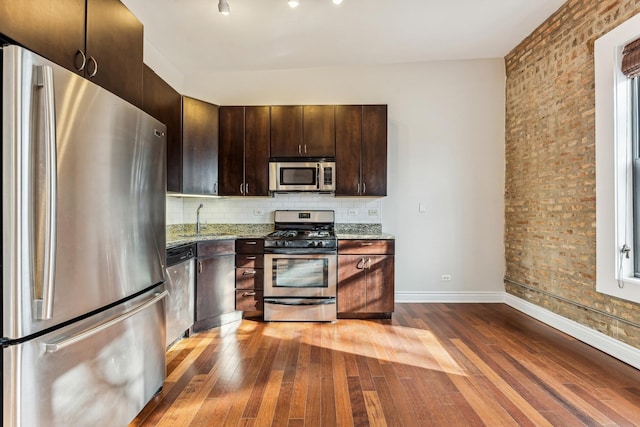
<point x="223" y="7"/>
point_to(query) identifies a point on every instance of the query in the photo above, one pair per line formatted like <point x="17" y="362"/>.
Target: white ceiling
<point x="267" y="34"/>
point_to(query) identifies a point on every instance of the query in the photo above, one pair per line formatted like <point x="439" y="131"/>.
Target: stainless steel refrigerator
<point x="83" y="248"/>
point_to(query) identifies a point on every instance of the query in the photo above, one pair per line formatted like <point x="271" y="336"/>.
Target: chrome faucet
<point x="198" y="218"/>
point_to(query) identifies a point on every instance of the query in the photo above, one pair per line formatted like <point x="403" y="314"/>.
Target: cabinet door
<point x="231" y="151"/>
<point x="256" y="150"/>
<point x="348" y="139"/>
<point x="114" y="39"/>
<point x="199" y="147"/>
<point x="286" y="131"/>
<point x="380" y="283"/>
<point x="215" y="287"/>
<point x="165" y="104"/>
<point x="54" y="29"/>
<point x="374" y="150"/>
<point x="352" y="284"/>
<point x="319" y="135"/>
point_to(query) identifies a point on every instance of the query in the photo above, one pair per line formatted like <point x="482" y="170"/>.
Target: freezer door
<point x="83" y="206"/>
<point x="99" y="372"/>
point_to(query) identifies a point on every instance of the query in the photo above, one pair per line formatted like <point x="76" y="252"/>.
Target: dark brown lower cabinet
<point x="250" y="277"/>
<point x="366" y="278"/>
<point x="215" y="284"/>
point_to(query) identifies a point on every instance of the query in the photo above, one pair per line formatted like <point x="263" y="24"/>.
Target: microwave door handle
<point x="317" y="174"/>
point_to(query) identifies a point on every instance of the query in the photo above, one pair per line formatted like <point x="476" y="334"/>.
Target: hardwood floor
<point x="432" y="364"/>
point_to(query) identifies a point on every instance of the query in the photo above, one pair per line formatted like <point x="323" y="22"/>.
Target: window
<point x="617" y="166"/>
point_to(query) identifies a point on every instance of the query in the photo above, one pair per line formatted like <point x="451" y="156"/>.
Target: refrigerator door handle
<point x="45" y="266"/>
<point x="56" y="346"/>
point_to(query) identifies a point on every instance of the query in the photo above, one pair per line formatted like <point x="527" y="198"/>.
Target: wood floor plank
<point x="430" y="365"/>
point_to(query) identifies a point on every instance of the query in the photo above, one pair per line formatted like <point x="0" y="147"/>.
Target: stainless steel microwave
<point x="302" y="175"/>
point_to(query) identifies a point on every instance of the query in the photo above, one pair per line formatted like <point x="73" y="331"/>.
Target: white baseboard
<point x="449" y="297"/>
<point x="602" y="342"/>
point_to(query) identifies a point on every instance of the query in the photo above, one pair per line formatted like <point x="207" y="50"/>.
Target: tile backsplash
<point x="238" y="210"/>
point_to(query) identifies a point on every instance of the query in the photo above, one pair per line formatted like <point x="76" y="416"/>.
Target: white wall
<point x="446" y="150"/>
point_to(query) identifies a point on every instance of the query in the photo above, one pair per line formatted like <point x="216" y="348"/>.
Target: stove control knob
<point x="320" y="244"/>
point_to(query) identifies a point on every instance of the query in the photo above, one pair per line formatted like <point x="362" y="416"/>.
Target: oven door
<point x="300" y="275"/>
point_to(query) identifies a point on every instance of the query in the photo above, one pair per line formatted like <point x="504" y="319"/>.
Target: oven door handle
<point x="300" y="301"/>
<point x="301" y="251"/>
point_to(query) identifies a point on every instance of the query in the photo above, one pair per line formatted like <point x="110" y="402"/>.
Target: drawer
<point x="249" y="300"/>
<point x="370" y="247"/>
<point x="249" y="278"/>
<point x="215" y="247"/>
<point x="250" y="260"/>
<point x="250" y="246"/>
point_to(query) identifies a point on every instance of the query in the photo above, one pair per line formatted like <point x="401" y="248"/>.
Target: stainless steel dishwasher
<point x="181" y="286"/>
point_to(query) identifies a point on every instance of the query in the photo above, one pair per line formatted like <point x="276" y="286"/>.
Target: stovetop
<point x="303" y="230"/>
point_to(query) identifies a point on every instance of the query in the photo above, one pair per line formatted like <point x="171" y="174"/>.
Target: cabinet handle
<point x="200" y="267"/>
<point x="251" y="258"/>
<point x="364" y="188"/>
<point x="252" y="242"/>
<point x="241" y="188"/>
<point x="95" y="70"/>
<point x="367" y="264"/>
<point x="248" y="294"/>
<point x="299" y="149"/>
<point x="249" y="273"/>
<point x="305" y="148"/>
<point x="366" y="243"/>
<point x="84" y="60"/>
<point x="363" y="261"/>
<point x="358" y="188"/>
<point x="246" y="188"/>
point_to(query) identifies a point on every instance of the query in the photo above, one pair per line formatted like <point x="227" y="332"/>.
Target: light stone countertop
<point x="185" y="233"/>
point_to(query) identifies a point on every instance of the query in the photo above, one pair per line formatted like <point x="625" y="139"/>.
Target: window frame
<point x="614" y="171"/>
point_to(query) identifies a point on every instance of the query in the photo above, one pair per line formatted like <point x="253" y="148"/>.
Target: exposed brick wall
<point x="550" y="194"/>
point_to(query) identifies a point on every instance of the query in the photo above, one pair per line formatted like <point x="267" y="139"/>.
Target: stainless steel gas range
<point x="300" y="264"/>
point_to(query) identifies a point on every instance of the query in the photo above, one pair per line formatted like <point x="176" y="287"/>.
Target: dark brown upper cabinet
<point x="199" y="163"/>
<point x="302" y="131"/>
<point x="98" y="39"/>
<point x="318" y="131"/>
<point x="165" y="104"/>
<point x="286" y="131"/>
<point x="244" y="150"/>
<point x="361" y="150"/>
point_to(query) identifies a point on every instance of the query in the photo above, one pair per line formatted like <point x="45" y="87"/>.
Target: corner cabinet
<point x="199" y="151"/>
<point x="215" y="284"/>
<point x="366" y="278"/>
<point x="302" y="131"/>
<point x="244" y="150"/>
<point x="361" y="150"/>
<point x="98" y="39"/>
<point x="165" y="104"/>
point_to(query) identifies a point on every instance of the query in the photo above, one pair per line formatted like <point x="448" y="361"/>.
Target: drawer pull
<point x="251" y="243"/>
<point x="248" y="273"/>
<point x="366" y="244"/>
<point x="250" y="258"/>
<point x="248" y="294"/>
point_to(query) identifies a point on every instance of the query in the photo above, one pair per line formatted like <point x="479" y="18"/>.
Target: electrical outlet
<point x="258" y="212"/>
<point x="373" y="212"/>
<point x="352" y="212"/>
<point x="445" y="277"/>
